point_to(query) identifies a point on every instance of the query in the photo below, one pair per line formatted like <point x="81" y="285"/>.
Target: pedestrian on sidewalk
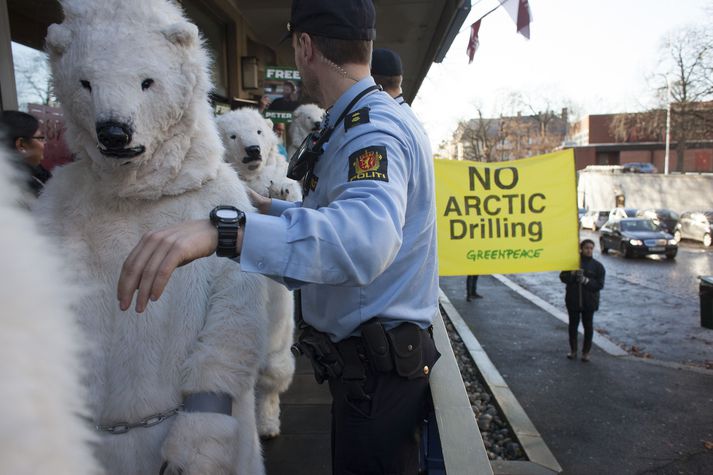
<point x="471" y="285"/>
<point x="582" y="297"/>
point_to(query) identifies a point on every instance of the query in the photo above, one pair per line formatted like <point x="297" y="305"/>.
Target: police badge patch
<point x="369" y="163"/>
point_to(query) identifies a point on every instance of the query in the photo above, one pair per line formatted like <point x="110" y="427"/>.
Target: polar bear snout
<point x="114" y="137"/>
<point x="316" y="126"/>
<point x="253" y="154"/>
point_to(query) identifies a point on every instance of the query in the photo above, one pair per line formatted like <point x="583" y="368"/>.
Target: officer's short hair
<point x="388" y="82"/>
<point x="342" y="52"/>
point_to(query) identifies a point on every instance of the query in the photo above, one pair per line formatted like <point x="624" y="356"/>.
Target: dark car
<point x="666" y="219"/>
<point x="638" y="167"/>
<point x="636" y="237"/>
<point x="697" y="225"/>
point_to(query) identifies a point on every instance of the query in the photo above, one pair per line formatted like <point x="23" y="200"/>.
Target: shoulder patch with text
<point x="355" y="118"/>
<point x="369" y="163"/>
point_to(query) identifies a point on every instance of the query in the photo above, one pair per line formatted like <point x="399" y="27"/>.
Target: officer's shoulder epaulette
<point x="355" y="118"/>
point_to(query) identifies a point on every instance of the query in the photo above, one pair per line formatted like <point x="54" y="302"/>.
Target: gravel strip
<point x="499" y="440"/>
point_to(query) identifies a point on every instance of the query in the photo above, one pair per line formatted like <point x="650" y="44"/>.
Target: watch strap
<point x="227" y="239"/>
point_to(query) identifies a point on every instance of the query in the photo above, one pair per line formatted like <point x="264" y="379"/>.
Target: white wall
<point x="680" y="193"/>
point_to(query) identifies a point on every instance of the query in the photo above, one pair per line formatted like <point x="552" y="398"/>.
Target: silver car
<point x="696" y="225"/>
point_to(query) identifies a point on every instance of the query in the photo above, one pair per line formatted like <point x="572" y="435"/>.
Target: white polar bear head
<point x="250" y="144"/>
<point x="305" y="119"/>
<point x="132" y="78"/>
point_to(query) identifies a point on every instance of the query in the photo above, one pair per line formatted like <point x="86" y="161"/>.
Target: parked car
<point x="638" y="167"/>
<point x="666" y="219"/>
<point x="621" y="213"/>
<point x="636" y="237"/>
<point x="594" y="219"/>
<point x="697" y="225"/>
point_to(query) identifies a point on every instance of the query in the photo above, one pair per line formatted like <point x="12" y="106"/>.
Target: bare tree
<point x="34" y="83"/>
<point x="686" y="67"/>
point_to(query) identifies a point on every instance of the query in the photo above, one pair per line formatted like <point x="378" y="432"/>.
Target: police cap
<point x="343" y="19"/>
<point x="385" y="62"/>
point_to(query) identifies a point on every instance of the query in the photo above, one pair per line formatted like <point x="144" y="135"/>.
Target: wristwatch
<point x="227" y="219"/>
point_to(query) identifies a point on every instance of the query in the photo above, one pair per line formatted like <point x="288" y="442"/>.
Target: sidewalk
<point x="614" y="415"/>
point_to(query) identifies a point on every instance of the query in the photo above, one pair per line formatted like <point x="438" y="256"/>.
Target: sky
<point x="593" y="54"/>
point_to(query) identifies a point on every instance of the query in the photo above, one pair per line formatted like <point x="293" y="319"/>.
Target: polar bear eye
<point x="259" y="132"/>
<point x="232" y="137"/>
<point x="86" y="84"/>
<point x="146" y="83"/>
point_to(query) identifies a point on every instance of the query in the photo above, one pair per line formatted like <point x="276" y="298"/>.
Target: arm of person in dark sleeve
<point x="596" y="282"/>
<point x="566" y="277"/>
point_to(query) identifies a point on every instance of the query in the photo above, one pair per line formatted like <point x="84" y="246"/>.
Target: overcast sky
<point x="595" y="54"/>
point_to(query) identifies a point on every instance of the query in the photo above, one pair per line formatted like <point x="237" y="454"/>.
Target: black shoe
<point x="467" y="299"/>
<point x="477" y="296"/>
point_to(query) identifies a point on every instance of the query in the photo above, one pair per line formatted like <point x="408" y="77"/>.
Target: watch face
<point x="227" y="214"/>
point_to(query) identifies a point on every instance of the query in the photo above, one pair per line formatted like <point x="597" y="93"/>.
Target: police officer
<point x="361" y="247"/>
<point x="388" y="72"/>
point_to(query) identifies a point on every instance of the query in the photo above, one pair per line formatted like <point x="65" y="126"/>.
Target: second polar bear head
<point x="305" y="119"/>
<point x="132" y="77"/>
<point x="250" y="144"/>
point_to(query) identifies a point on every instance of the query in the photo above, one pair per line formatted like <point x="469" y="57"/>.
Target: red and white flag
<point x="474" y="41"/>
<point x="520" y="13"/>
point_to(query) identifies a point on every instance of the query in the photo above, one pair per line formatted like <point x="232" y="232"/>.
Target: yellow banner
<point x="507" y="217"/>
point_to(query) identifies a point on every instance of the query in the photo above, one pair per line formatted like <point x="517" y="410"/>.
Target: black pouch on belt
<point x="407" y="349"/>
<point x="377" y="346"/>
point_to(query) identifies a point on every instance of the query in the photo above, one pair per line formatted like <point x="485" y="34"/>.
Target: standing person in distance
<point x="361" y="247"/>
<point x="471" y="284"/>
<point x="582" y="297"/>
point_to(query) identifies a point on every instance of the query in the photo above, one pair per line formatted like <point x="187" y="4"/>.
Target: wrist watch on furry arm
<point x="227" y="219"/>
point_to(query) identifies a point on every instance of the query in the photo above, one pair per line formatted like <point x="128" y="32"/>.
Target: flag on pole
<point x="520" y="13"/>
<point x="473" y="42"/>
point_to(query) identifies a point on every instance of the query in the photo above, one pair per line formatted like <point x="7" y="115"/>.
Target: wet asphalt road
<point x="650" y="306"/>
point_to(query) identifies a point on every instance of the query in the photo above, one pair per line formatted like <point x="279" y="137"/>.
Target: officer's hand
<point x="158" y="254"/>
<point x="260" y="202"/>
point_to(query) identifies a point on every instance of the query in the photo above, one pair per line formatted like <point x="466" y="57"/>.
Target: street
<point x="649" y="306"/>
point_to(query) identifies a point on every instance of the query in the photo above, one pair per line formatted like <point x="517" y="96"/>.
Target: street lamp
<point x="668" y="125"/>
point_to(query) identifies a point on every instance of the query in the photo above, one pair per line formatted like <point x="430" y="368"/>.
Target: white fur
<point x="207" y="332"/>
<point x="40" y="426"/>
<point x="245" y="128"/>
<point x="239" y="129"/>
<point x="305" y="119"/>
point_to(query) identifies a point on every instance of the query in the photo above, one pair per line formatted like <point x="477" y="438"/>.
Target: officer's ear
<point x="305" y="46"/>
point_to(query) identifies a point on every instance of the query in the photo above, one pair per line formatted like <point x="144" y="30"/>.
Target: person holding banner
<point x="582" y="297"/>
<point x="361" y="247"/>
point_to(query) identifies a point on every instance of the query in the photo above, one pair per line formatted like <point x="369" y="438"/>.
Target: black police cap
<point x="385" y="62"/>
<point x="340" y="19"/>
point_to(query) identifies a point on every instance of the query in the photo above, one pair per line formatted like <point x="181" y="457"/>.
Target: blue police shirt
<point x="362" y="244"/>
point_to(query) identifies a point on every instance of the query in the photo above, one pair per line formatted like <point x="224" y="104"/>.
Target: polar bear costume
<point x="305" y="119"/>
<point x="132" y="77"/>
<point x="251" y="148"/>
<point x="41" y="431"/>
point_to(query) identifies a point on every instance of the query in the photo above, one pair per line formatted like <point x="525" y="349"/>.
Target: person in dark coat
<point x="22" y="136"/>
<point x="582" y="297"/>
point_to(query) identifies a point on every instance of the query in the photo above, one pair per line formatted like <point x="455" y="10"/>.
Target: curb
<point x="534" y="446"/>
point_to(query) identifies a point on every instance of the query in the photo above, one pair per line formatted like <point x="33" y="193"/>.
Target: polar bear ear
<point x="269" y="123"/>
<point x="181" y="34"/>
<point x="58" y="39"/>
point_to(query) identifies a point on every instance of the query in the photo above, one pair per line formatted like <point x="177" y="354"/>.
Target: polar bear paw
<point x="268" y="415"/>
<point x="201" y="443"/>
